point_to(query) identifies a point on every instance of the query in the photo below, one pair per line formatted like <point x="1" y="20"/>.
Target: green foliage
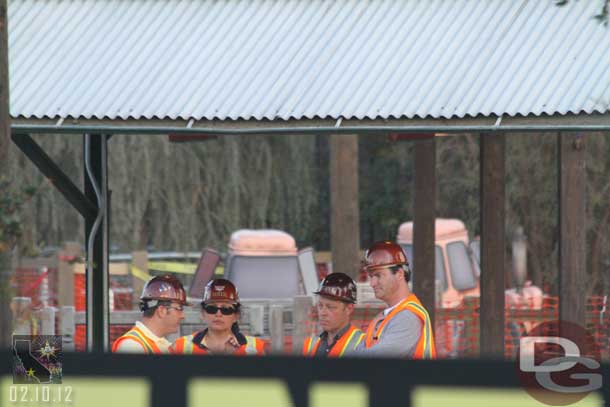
<point x="385" y="184"/>
<point x="11" y="202"/>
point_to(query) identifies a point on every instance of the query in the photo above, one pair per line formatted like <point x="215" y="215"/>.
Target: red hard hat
<point x="384" y="254"/>
<point x="220" y="290"/>
<point x="338" y="286"/>
<point x="164" y="288"/>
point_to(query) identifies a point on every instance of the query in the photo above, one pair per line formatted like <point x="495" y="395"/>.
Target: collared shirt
<point x="131" y="346"/>
<point x="388" y="310"/>
<point x="324" y="347"/>
<point x="199" y="339"/>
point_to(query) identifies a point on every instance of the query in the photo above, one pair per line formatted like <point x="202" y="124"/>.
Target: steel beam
<point x="58" y="178"/>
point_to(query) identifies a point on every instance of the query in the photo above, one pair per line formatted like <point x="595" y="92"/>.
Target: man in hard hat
<point x="220" y="309"/>
<point x="162" y="304"/>
<point x="403" y="329"/>
<point x="336" y="299"/>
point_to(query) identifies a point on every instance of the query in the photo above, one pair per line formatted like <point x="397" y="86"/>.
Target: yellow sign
<point x="172" y="267"/>
<point x="141" y="274"/>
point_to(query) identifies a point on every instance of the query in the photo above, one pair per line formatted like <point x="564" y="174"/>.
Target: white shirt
<point x="388" y="310"/>
<point x="132" y="346"/>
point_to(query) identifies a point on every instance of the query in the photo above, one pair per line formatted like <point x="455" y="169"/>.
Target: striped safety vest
<point x="349" y="340"/>
<point x="425" y="348"/>
<point x="185" y="346"/>
<point x="136" y="334"/>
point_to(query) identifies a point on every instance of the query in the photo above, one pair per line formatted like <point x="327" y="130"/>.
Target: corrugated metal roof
<point x="296" y="59"/>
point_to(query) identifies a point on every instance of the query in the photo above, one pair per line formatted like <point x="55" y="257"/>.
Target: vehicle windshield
<point x="265" y="277"/>
<point x="460" y="264"/>
<point x="439" y="264"/>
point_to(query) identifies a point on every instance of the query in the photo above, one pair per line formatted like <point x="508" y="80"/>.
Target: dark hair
<point x="405" y="269"/>
<point x="148" y="311"/>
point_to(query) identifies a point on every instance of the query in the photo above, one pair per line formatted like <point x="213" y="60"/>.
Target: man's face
<point x="172" y="314"/>
<point x="385" y="283"/>
<point x="217" y="321"/>
<point x="333" y="314"/>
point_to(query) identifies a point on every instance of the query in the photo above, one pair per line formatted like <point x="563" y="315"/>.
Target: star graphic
<point x="47" y="351"/>
<point x="31" y="372"/>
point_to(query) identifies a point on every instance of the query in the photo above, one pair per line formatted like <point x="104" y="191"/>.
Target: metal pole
<point x="96" y="232"/>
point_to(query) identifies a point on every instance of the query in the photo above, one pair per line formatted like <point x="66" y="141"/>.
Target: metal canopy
<point x="588" y="123"/>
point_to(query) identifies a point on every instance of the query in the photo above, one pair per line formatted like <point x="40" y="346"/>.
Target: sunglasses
<point x="213" y="309"/>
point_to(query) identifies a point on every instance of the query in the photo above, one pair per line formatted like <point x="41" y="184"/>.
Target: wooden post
<point x="345" y="215"/>
<point x="65" y="274"/>
<point x="5" y="117"/>
<point x="301" y="322"/>
<point x="47" y="321"/>
<point x="276" y="328"/>
<point x="21" y="308"/>
<point x="139" y="260"/>
<point x="5" y="133"/>
<point x="424" y="285"/>
<point x="67" y="328"/>
<point x="256" y="319"/>
<point x="492" y="157"/>
<point x="573" y="228"/>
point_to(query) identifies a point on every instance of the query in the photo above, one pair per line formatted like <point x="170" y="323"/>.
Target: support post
<point x="301" y="321"/>
<point x="65" y="274"/>
<point x="424" y="278"/>
<point x="97" y="278"/>
<point x="572" y="228"/>
<point x="492" y="161"/>
<point x="5" y="130"/>
<point x="345" y="215"/>
<point x="276" y="328"/>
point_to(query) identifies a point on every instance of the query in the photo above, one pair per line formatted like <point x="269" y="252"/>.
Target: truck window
<point x="439" y="264"/>
<point x="460" y="266"/>
<point x="475" y="247"/>
<point x="265" y="277"/>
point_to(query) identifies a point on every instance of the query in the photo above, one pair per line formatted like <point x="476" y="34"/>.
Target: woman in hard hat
<point x="220" y="310"/>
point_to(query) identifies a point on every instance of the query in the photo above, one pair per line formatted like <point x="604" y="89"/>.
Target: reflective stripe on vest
<point x="349" y="340"/>
<point x="310" y="347"/>
<point x="184" y="345"/>
<point x="137" y="335"/>
<point x="251" y="346"/>
<point x="425" y="348"/>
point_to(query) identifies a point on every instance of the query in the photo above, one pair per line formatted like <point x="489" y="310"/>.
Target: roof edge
<point x="589" y="122"/>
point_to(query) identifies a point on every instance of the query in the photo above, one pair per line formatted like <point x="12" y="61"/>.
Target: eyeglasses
<point x="213" y="309"/>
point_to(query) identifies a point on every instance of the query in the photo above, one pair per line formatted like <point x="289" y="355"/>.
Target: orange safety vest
<point x="136" y="334"/>
<point x="185" y="346"/>
<point x="425" y="348"/>
<point x="349" y="340"/>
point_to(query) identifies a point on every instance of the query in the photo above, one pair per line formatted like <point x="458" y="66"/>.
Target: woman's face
<point x="217" y="321"/>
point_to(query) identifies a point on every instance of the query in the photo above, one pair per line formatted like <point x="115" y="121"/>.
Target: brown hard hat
<point x="220" y="290"/>
<point x="164" y="288"/>
<point x="338" y="286"/>
<point x="384" y="254"/>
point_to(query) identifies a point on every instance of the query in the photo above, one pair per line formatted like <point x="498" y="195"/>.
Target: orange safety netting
<point x="457" y="329"/>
